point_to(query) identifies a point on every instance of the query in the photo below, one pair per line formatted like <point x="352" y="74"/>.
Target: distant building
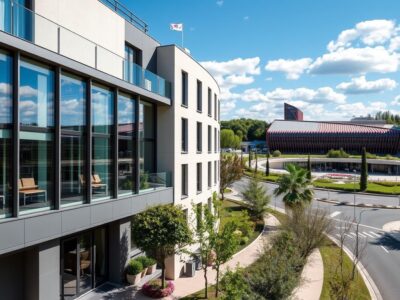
<point x="320" y="137"/>
<point x="292" y="113"/>
<point x="252" y="145"/>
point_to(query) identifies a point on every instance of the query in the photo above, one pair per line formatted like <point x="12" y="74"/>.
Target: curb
<point x="367" y="205"/>
<point x="369" y="282"/>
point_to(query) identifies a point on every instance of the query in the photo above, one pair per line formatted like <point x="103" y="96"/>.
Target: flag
<point x="176" y="26"/>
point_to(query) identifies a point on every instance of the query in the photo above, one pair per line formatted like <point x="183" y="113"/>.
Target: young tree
<point x="255" y="195"/>
<point x="309" y="168"/>
<point x="206" y="224"/>
<point x="234" y="285"/>
<point x="267" y="166"/>
<point x="231" y="169"/>
<point x="225" y="242"/>
<point x="227" y="138"/>
<point x="295" y="187"/>
<point x="256" y="167"/>
<point x="161" y="231"/>
<point x="364" y="171"/>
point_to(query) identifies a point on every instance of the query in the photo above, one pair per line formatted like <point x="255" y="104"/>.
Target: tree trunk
<point x="217" y="283"/>
<point x="206" y="283"/>
<point x="162" y="276"/>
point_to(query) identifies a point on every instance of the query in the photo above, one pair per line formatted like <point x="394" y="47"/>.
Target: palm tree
<point x="295" y="187"/>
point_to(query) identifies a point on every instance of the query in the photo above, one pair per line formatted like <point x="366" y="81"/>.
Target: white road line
<point x="337" y="234"/>
<point x="371" y="236"/>
<point x="361" y="235"/>
<point x="375" y="234"/>
<point x="384" y="249"/>
<point x="353" y="234"/>
<point x="334" y="214"/>
<point x="348" y="235"/>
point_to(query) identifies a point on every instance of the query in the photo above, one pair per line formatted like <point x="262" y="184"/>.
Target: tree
<point x="309" y="168"/>
<point x="247" y="129"/>
<point x="267" y="166"/>
<point x="225" y="242"/>
<point x="227" y="138"/>
<point x="295" y="187"/>
<point x="161" y="231"/>
<point x="231" y="169"/>
<point x="256" y="167"/>
<point x="206" y="224"/>
<point x="364" y="171"/>
<point x="234" y="285"/>
<point x="255" y="195"/>
<point x="237" y="141"/>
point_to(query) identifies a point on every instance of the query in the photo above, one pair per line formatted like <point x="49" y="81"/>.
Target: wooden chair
<point x="28" y="187"/>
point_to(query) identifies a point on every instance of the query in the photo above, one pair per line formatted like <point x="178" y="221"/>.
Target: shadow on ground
<point x="387" y="241"/>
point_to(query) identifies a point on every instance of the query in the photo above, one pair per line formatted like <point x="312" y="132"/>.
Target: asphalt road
<point x="381" y="254"/>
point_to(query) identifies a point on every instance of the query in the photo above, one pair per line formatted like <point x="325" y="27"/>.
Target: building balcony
<point x="21" y="22"/>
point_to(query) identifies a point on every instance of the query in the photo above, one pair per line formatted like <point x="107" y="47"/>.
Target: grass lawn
<point x="200" y="294"/>
<point x="330" y="255"/>
<point x="372" y="187"/>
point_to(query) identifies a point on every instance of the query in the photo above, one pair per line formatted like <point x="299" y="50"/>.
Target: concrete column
<point x="119" y="248"/>
<point x="49" y="270"/>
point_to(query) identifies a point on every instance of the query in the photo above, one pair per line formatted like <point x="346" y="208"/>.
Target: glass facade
<point x="36" y="112"/>
<point x="5" y="135"/>
<point x="146" y="143"/>
<point x="73" y="134"/>
<point x="102" y="127"/>
<point x="126" y="144"/>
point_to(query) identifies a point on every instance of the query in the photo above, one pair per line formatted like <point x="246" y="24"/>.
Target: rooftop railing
<point x="19" y="21"/>
<point x="124" y="12"/>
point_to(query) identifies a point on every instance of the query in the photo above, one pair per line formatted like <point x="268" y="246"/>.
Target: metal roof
<point x="323" y="127"/>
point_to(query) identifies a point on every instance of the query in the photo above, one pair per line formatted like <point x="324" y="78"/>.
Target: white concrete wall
<point x="171" y="57"/>
<point x="89" y="19"/>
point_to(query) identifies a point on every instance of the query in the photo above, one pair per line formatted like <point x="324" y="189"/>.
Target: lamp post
<point x="354" y="194"/>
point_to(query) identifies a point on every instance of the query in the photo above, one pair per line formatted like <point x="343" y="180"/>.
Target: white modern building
<point x="98" y="122"/>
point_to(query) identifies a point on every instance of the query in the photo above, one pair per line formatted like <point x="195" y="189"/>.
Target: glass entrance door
<point x="84" y="263"/>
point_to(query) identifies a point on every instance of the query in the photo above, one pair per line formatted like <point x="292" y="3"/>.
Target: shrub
<point x="146" y="261"/>
<point x="337" y="153"/>
<point x="276" y="153"/>
<point x="234" y="285"/>
<point x="370" y="155"/>
<point x="134" y="267"/>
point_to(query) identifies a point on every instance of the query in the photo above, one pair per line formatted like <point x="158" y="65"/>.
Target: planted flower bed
<point x="153" y="289"/>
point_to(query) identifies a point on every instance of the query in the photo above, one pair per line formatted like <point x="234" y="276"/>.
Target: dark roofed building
<point x="293" y="113"/>
<point x="320" y="137"/>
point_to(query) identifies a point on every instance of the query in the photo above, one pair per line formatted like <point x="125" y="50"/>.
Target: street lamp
<point x="357" y="227"/>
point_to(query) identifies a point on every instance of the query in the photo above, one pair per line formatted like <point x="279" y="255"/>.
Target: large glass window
<point x="102" y="124"/>
<point x="126" y="144"/>
<point x="146" y="143"/>
<point x="184" y="135"/>
<point x="73" y="146"/>
<point x="185" y="88"/>
<point x="5" y="135"/>
<point x="199" y="137"/>
<point x="36" y="137"/>
<point x="199" y="96"/>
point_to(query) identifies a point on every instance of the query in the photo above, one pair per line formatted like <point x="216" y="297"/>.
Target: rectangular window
<point x="73" y="132"/>
<point x="184" y="88"/>
<point x="199" y="177"/>
<point x="36" y="137"/>
<point x="126" y="145"/>
<point x="209" y="139"/>
<point x="199" y="137"/>
<point x="102" y="159"/>
<point x="215" y="172"/>
<point x="209" y="102"/>
<point x="209" y="174"/>
<point x="215" y="140"/>
<point x="215" y="107"/>
<point x="184" y="133"/>
<point x="5" y="135"/>
<point x="147" y="143"/>
<point x="199" y="96"/>
<point x="132" y="69"/>
<point x="184" y="183"/>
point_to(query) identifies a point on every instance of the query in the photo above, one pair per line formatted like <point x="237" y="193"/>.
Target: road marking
<point x="361" y="235"/>
<point x="338" y="235"/>
<point x="375" y="234"/>
<point x="334" y="214"/>
<point x="385" y="249"/>
<point x="348" y="235"/>
<point x="353" y="234"/>
<point x="371" y="227"/>
<point x="371" y="236"/>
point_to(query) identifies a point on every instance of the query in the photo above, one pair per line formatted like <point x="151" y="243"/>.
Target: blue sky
<point x="333" y="59"/>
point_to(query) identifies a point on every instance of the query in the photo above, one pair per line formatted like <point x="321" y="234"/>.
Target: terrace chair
<point x="97" y="183"/>
<point x="28" y="187"/>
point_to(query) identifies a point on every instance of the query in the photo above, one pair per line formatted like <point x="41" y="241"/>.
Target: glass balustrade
<point x="25" y="24"/>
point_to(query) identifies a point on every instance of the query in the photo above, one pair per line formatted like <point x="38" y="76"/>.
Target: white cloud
<point x="5" y="88"/>
<point x="370" y="33"/>
<point x="320" y="95"/>
<point x="396" y="100"/>
<point x="349" y="110"/>
<point x="246" y="18"/>
<point x="27" y="91"/>
<point x="292" y="68"/>
<point x="220" y="3"/>
<point x="255" y="94"/>
<point x="360" y="85"/>
<point x="355" y="61"/>
<point x="227" y="106"/>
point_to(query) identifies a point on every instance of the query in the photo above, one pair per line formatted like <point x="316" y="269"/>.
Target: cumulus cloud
<point x="355" y="61"/>
<point x="360" y="85"/>
<point x="349" y="110"/>
<point x="370" y="33"/>
<point x="255" y="94"/>
<point x="220" y="3"/>
<point x="320" y="95"/>
<point x="227" y="106"/>
<point x="292" y="68"/>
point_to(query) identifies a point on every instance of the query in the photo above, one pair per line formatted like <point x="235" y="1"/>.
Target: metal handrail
<point x="124" y="12"/>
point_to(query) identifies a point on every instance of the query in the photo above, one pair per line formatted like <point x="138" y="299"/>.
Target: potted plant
<point x="152" y="265"/>
<point x="133" y="271"/>
<point x="144" y="261"/>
